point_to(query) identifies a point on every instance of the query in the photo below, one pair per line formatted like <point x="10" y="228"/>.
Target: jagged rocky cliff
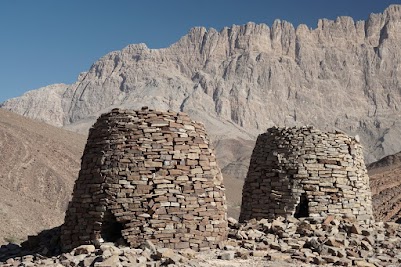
<point x="241" y="80"/>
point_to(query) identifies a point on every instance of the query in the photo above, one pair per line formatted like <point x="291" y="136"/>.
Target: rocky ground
<point x="328" y="241"/>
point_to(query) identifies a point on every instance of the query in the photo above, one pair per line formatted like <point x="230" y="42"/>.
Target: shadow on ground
<point x="45" y="244"/>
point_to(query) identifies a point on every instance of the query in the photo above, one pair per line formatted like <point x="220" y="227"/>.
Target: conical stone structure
<point x="303" y="172"/>
<point x="147" y="175"/>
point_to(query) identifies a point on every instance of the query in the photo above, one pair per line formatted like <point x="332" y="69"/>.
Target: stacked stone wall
<point x="147" y="175"/>
<point x="304" y="172"/>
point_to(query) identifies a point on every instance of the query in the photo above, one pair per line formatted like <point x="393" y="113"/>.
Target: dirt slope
<point x="385" y="183"/>
<point x="38" y="166"/>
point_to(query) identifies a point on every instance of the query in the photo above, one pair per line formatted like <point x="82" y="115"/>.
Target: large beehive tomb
<point x="303" y="172"/>
<point x="147" y="175"/>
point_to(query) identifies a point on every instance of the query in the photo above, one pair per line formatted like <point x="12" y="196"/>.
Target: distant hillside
<point x="38" y="166"/>
<point x="385" y="182"/>
<point x="386" y="163"/>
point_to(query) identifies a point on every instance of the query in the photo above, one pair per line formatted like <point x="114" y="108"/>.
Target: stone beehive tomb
<point x="303" y="172"/>
<point x="147" y="175"/>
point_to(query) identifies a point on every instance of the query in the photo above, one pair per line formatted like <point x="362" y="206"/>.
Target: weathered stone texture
<point x="343" y="73"/>
<point x="302" y="171"/>
<point x="154" y="175"/>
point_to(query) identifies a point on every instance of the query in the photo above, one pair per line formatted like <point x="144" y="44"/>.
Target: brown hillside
<point x="38" y="166"/>
<point x="385" y="183"/>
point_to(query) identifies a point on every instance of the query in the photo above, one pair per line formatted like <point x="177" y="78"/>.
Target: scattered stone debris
<point x="328" y="241"/>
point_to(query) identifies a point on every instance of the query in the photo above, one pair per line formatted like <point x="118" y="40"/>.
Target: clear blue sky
<point x="52" y="41"/>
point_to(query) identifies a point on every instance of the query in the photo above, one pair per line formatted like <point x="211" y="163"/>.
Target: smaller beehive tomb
<point x="303" y="172"/>
<point x="147" y="175"/>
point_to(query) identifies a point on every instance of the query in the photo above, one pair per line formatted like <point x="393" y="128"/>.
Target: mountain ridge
<point x="241" y="80"/>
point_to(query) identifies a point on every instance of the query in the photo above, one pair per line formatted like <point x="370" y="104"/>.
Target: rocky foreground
<point x="329" y="241"/>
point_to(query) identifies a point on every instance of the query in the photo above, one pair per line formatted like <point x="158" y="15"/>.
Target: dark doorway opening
<point x="302" y="209"/>
<point x="111" y="229"/>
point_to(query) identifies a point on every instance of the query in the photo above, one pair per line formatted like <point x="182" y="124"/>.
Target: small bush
<point x="12" y="240"/>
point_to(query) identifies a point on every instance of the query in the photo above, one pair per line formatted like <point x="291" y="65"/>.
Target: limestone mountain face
<point x="241" y="80"/>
